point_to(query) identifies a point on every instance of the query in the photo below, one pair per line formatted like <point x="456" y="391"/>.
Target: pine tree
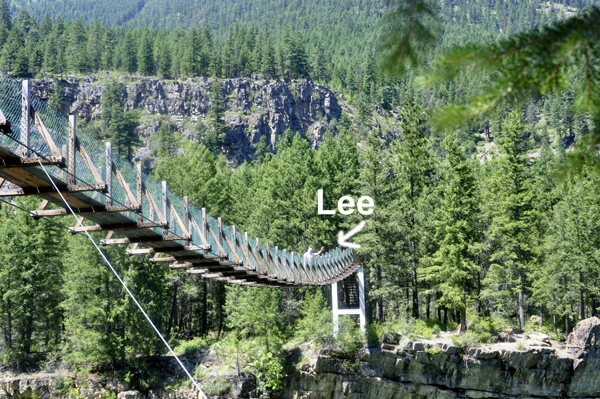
<point x="111" y="95"/>
<point x="50" y="56"/>
<point x="145" y="56"/>
<point x="267" y="62"/>
<point x="46" y="26"/>
<point x="5" y="22"/>
<point x="56" y="100"/>
<point x="318" y="63"/>
<point x="78" y="58"/>
<point x="127" y="53"/>
<point x="414" y="169"/>
<point x="166" y="141"/>
<point x="570" y="273"/>
<point x="217" y="108"/>
<point x="31" y="274"/>
<point x="108" y="50"/>
<point x="453" y="267"/>
<point x="94" y="46"/>
<point x="164" y="59"/>
<point x="513" y="219"/>
<point x="13" y="57"/>
<point x="378" y="182"/>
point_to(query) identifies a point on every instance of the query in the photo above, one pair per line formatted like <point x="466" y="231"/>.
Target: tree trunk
<point x="581" y="302"/>
<point x="379" y="299"/>
<point x="541" y="316"/>
<point x="567" y="326"/>
<point x="463" y="311"/>
<point x="173" y="312"/>
<point x="27" y="331"/>
<point x="204" y="310"/>
<point x="521" y="302"/>
<point x="9" y="323"/>
<point x="428" y="306"/>
<point x="479" y="311"/>
<point x="445" y="316"/>
<point x="415" y="294"/>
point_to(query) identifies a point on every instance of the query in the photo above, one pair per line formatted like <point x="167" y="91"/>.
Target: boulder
<point x="585" y="335"/>
<point x="539" y="337"/>
<point x="244" y="384"/>
<point x="391" y="338"/>
<point x="505" y="337"/>
<point x="535" y="342"/>
<point x="129" y="395"/>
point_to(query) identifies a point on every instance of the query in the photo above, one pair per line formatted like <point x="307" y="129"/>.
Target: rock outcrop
<point x="255" y="108"/>
<point x="408" y="369"/>
<point x="433" y="370"/>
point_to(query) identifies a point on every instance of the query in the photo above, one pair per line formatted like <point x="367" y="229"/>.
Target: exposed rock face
<point x="405" y="370"/>
<point x="255" y="108"/>
<point x="585" y="335"/>
<point x="430" y="370"/>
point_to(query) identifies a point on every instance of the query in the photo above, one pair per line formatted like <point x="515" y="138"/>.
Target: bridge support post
<point x="72" y="146"/>
<point x="25" y="115"/>
<point x="361" y="311"/>
<point x="108" y="177"/>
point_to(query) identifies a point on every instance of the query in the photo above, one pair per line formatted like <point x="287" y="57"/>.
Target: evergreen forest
<point x="459" y="240"/>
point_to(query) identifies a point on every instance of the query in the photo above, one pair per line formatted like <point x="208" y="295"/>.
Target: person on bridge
<point x="309" y="254"/>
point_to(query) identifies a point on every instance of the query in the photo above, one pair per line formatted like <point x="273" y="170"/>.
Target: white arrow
<point x="343" y="237"/>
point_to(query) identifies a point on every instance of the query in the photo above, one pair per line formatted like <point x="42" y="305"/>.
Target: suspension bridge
<point x="43" y="153"/>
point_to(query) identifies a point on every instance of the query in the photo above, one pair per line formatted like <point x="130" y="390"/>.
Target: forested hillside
<point x="331" y="42"/>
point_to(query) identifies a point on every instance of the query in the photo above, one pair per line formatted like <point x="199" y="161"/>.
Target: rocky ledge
<point x="433" y="370"/>
<point x="255" y="107"/>
<point x="408" y="369"/>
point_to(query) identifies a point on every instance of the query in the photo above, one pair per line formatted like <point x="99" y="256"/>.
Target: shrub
<point x="269" y="371"/>
<point x="470" y="338"/>
<point x="432" y="351"/>
<point x="520" y="346"/>
<point x="193" y="345"/>
<point x="482" y="329"/>
<point x="350" y="337"/>
<point x="317" y="323"/>
<point x="217" y="387"/>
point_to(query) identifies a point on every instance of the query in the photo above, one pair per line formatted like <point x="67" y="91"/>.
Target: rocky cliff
<point x="255" y="107"/>
<point x="419" y="369"/>
<point x="434" y="370"/>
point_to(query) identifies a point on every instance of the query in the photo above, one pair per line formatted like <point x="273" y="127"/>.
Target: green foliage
<point x="410" y="26"/>
<point x="118" y="125"/>
<point x="217" y="387"/>
<point x="109" y="327"/>
<point x="316" y="324"/>
<point x="513" y="219"/>
<point x="56" y="100"/>
<point x="432" y="351"/>
<point x="31" y="276"/>
<point x="253" y="313"/>
<point x="269" y="371"/>
<point x="453" y="266"/>
<point x="350" y="338"/>
<point x="194" y="345"/>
